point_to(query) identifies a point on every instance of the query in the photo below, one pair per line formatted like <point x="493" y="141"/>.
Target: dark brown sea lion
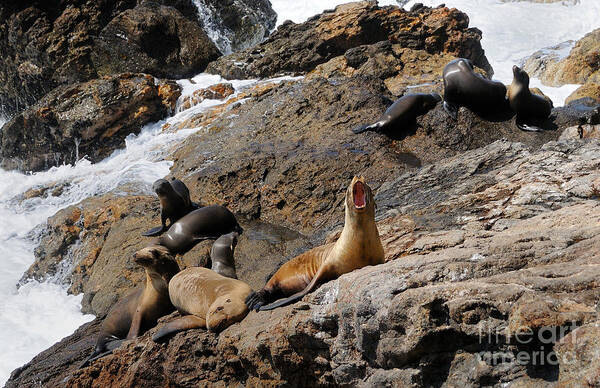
<point x="358" y="246"/>
<point x="464" y="87"/>
<point x="206" y="300"/>
<point x="139" y="311"/>
<point x="175" y="203"/>
<point x="402" y="112"/>
<point x="529" y="107"/>
<point x="209" y="222"/>
<point x="221" y="255"/>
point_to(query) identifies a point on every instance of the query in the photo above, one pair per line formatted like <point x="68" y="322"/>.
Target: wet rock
<point x="88" y="119"/>
<point x="590" y="89"/>
<point x="492" y="255"/>
<point x="47" y="44"/>
<point x="214" y="92"/>
<point x="580" y="66"/>
<point x="152" y="39"/>
<point x="236" y="24"/>
<point x="323" y="37"/>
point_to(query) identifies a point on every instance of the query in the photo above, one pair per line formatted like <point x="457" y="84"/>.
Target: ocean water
<point x="38" y="314"/>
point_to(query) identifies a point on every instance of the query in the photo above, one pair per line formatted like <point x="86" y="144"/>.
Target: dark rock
<point x="152" y="39"/>
<point x="47" y="44"/>
<point x="88" y="119"/>
<point x="298" y="48"/>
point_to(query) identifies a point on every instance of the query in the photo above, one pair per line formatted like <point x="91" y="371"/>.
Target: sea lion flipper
<point x="154" y="231"/>
<point x="297" y="296"/>
<point x="108" y="348"/>
<point x="527" y="127"/>
<point x="136" y="324"/>
<point x="367" y="127"/>
<point x="451" y="109"/>
<point x="180" y="324"/>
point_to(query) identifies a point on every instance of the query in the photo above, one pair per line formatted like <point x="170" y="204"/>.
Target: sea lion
<point x="464" y="87"/>
<point x="175" y="203"/>
<point x="209" y="222"/>
<point x="206" y="300"/>
<point x="221" y="255"/>
<point x="358" y="245"/>
<point x="528" y="106"/>
<point x="138" y="311"/>
<point x="402" y="112"/>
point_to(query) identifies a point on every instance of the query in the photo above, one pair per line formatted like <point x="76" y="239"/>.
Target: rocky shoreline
<point x="488" y="231"/>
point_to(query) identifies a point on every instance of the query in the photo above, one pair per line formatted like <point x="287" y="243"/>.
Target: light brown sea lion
<point x="358" y="246"/>
<point x="402" y="112"/>
<point x="221" y="255"/>
<point x="175" y="203"/>
<point x="209" y="222"/>
<point x="529" y="107"/>
<point x="139" y="310"/>
<point x="464" y="87"/>
<point x="206" y="300"/>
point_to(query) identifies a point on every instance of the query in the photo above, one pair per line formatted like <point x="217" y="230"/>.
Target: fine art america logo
<point x="526" y="346"/>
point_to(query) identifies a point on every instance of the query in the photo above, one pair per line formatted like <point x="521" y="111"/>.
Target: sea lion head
<point x="359" y="197"/>
<point x="232" y="239"/>
<point x="162" y="187"/>
<point x="521" y="76"/>
<point x="465" y="64"/>
<point x="157" y="259"/>
<point x="225" y="311"/>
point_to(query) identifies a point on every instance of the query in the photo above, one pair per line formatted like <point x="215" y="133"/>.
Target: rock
<point x="48" y="44"/>
<point x="215" y="92"/>
<point x="236" y="24"/>
<point x="152" y="39"/>
<point x="580" y="66"/>
<point x="331" y="34"/>
<point x="88" y="119"/>
<point x="491" y="261"/>
<point x="590" y="89"/>
<point x="585" y="131"/>
<point x="403" y="70"/>
<point x="578" y="355"/>
<point x="265" y="164"/>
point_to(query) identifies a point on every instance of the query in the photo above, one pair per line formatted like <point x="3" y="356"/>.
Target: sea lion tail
<point x="104" y="348"/>
<point x="451" y="110"/>
<point x="367" y="127"/>
<point x="527" y="127"/>
<point x="238" y="229"/>
<point x="297" y="296"/>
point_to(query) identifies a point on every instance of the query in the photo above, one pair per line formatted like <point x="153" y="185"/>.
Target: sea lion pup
<point x="464" y="87"/>
<point x="528" y="106"/>
<point x="221" y="255"/>
<point x="138" y="311"/>
<point x="206" y="300"/>
<point x="358" y="245"/>
<point x="403" y="112"/>
<point x="175" y="203"/>
<point x="209" y="222"/>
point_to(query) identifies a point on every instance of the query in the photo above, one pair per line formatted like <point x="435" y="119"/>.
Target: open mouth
<point x="359" y="196"/>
